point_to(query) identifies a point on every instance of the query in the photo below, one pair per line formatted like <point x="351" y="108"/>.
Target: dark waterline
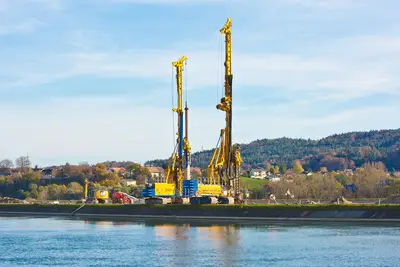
<point x="96" y="242"/>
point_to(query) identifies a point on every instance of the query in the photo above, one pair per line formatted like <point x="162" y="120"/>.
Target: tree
<point x="33" y="188"/>
<point x="274" y="170"/>
<point x="23" y="162"/>
<point x="133" y="168"/>
<point x="284" y="168"/>
<point x="6" y="163"/>
<point x="267" y="165"/>
<point x="297" y="168"/>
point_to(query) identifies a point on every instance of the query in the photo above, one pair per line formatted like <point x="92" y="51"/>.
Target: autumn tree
<point x="297" y="167"/>
<point x="111" y="179"/>
<point x="274" y="170"/>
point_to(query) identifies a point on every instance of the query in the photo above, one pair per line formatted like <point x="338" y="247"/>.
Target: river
<point x="65" y="242"/>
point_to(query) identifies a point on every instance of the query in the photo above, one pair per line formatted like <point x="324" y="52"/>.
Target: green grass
<point x="252" y="184"/>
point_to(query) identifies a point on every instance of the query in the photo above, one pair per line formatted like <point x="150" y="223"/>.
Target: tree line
<point x="67" y="181"/>
<point x="335" y="152"/>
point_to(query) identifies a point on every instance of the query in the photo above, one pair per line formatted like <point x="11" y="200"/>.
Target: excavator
<point x="224" y="166"/>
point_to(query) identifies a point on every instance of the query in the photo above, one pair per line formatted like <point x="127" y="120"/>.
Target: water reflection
<point x="220" y="244"/>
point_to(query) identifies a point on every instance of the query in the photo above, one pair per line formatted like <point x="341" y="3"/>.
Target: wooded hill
<point x="336" y="152"/>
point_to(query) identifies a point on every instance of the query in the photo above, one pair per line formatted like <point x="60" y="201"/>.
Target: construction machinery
<point x="122" y="198"/>
<point x="179" y="162"/>
<point x="224" y="166"/>
<point x="96" y="196"/>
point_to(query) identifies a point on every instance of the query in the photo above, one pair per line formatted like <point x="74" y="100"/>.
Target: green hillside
<point x="339" y="151"/>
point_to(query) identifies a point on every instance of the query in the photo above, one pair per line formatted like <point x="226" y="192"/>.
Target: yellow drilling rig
<point x="224" y="166"/>
<point x="179" y="162"/>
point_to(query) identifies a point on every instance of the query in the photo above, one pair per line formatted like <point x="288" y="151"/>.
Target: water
<point x="59" y="242"/>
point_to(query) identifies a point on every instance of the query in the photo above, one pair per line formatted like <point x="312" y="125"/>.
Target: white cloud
<point x="335" y="71"/>
<point x="92" y="128"/>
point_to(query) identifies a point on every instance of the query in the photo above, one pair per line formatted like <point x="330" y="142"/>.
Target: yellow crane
<point x="224" y="166"/>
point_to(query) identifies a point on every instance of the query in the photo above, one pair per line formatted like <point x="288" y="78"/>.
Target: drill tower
<point x="180" y="159"/>
<point x="224" y="166"/>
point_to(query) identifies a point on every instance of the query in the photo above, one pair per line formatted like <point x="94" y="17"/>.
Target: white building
<point x="258" y="173"/>
<point x="274" y="178"/>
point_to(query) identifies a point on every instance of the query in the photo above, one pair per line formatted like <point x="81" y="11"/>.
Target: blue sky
<point x="90" y="80"/>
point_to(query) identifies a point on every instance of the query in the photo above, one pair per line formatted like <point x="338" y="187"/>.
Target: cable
<point x="221" y="65"/>
<point x="218" y="66"/>
<point x="173" y="103"/>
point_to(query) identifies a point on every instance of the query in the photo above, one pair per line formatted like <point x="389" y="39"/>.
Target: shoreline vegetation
<point x="354" y="165"/>
<point x="66" y="182"/>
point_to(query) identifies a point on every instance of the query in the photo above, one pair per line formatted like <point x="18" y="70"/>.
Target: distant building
<point x="258" y="173"/>
<point x="128" y="182"/>
<point x="157" y="173"/>
<point x="274" y="178"/>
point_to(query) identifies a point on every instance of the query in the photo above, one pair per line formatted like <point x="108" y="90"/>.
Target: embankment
<point x="388" y="213"/>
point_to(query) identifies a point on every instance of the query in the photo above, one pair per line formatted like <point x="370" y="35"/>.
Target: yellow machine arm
<point x="226" y="158"/>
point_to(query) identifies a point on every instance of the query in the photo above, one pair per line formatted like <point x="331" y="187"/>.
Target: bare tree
<point x="6" y="163"/>
<point x="23" y="162"/>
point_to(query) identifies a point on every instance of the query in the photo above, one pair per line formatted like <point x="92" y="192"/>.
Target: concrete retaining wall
<point x="246" y="212"/>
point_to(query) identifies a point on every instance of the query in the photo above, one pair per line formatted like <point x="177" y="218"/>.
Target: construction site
<point x="223" y="186"/>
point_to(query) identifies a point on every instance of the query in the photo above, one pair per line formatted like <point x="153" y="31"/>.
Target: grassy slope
<point x="252" y="184"/>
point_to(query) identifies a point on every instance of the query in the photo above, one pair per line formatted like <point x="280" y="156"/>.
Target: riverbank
<point x="388" y="213"/>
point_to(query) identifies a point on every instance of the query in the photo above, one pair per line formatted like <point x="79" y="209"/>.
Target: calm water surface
<point x="59" y="242"/>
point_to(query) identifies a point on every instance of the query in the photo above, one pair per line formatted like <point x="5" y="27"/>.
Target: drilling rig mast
<point x="224" y="166"/>
<point x="171" y="190"/>
<point x="176" y="163"/>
